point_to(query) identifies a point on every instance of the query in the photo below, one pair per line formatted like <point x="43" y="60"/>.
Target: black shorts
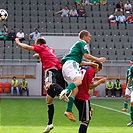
<point x="84" y="109"/>
<point x="54" y="76"/>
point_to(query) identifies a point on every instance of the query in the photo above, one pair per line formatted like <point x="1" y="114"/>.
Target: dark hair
<point x="118" y="80"/>
<point x="100" y="65"/>
<point x="40" y="41"/>
<point x="13" y="77"/>
<point x="83" y="33"/>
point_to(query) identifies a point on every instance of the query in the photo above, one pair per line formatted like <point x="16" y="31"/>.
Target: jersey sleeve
<point x="84" y="47"/>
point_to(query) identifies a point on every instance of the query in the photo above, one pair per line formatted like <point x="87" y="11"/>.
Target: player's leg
<point x="131" y="110"/>
<point x="68" y="111"/>
<point x="72" y="74"/>
<point x="127" y="94"/>
<point x="84" y="110"/>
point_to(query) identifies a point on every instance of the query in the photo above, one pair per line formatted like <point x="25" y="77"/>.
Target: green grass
<point x="30" y="116"/>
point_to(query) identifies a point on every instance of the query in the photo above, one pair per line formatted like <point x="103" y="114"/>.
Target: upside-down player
<point x="82" y="100"/>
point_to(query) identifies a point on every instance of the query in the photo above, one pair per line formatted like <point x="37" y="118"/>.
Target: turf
<point x="28" y="115"/>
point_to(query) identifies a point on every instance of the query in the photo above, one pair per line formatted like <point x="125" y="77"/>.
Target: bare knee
<point x="49" y="99"/>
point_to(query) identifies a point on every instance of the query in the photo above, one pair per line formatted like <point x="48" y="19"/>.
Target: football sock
<point x="131" y="112"/>
<point x="50" y="113"/>
<point x="55" y="86"/>
<point x="83" y="127"/>
<point x="70" y="104"/>
<point x="71" y="86"/>
<point x="125" y="104"/>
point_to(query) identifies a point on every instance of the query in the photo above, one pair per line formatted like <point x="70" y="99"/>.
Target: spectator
<point x="34" y="35"/>
<point x="3" y="34"/>
<point x="127" y="7"/>
<point x="103" y="2"/>
<point x="113" y="18"/>
<point x="11" y="35"/>
<point x="5" y="28"/>
<point x="117" y="87"/>
<point x="20" y="35"/>
<point x="24" y="86"/>
<point x="81" y="12"/>
<point x="119" y="6"/>
<point x="14" y="85"/>
<point x="109" y="87"/>
<point x="121" y="18"/>
<point x="129" y="18"/>
<point x="79" y="2"/>
<point x="94" y="2"/>
<point x="64" y="12"/>
<point x="73" y="12"/>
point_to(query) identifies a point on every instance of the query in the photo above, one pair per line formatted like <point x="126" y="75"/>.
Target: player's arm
<point x="23" y="45"/>
<point x="36" y="55"/>
<point x="99" y="77"/>
<point x="93" y="58"/>
<point x="102" y="80"/>
<point x="86" y="63"/>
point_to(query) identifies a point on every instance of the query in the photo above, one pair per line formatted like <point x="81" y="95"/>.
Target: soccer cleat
<point x="48" y="128"/>
<point x="130" y="123"/>
<point x="70" y="116"/>
<point x="63" y="94"/>
<point x="124" y="109"/>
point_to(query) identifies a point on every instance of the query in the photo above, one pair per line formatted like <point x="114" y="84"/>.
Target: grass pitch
<point x="29" y="115"/>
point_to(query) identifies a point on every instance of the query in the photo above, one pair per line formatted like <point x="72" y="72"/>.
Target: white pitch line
<point x="110" y="109"/>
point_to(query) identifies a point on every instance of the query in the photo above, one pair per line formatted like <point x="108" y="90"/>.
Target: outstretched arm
<point x="23" y="45"/>
<point x="93" y="58"/>
<point x="102" y="80"/>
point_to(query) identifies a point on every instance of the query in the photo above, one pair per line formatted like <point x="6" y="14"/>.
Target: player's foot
<point x="63" y="94"/>
<point x="130" y="123"/>
<point x="70" y="116"/>
<point x="124" y="109"/>
<point x="48" y="128"/>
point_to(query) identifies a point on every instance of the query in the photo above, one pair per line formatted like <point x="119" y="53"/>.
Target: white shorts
<point x="128" y="92"/>
<point x="70" y="70"/>
<point x="132" y="96"/>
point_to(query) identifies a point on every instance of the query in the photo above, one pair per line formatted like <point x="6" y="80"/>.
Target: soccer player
<point x="82" y="99"/>
<point x="53" y="74"/>
<point x="71" y="71"/>
<point x="130" y="88"/>
<point x="54" y="80"/>
<point x="127" y="92"/>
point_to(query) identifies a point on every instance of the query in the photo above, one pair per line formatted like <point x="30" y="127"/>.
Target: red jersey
<point x="47" y="56"/>
<point x="89" y="74"/>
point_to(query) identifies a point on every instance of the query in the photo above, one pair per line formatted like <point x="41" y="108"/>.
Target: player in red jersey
<point x="54" y="80"/>
<point x="82" y="100"/>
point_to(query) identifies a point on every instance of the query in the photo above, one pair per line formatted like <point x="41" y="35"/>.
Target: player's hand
<point x="17" y="40"/>
<point x="102" y="59"/>
<point x="103" y="80"/>
<point x="36" y="55"/>
<point x="94" y="65"/>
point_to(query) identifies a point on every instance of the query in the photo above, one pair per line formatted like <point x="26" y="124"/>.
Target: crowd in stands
<point x="124" y="15"/>
<point x="113" y="88"/>
<point x="10" y="36"/>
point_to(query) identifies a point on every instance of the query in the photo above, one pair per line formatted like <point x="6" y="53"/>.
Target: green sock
<point x="71" y="86"/>
<point x="125" y="104"/>
<point x="70" y="104"/>
<point x="131" y="112"/>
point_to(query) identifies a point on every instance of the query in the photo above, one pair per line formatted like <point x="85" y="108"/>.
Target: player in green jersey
<point x="130" y="88"/>
<point x="71" y="71"/>
<point x="127" y="92"/>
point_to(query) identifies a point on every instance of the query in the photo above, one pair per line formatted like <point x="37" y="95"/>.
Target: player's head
<point x="131" y="62"/>
<point x="40" y="41"/>
<point x="100" y="66"/>
<point x="85" y="35"/>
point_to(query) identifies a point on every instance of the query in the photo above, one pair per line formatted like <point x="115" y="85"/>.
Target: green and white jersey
<point x="76" y="52"/>
<point x="130" y="75"/>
